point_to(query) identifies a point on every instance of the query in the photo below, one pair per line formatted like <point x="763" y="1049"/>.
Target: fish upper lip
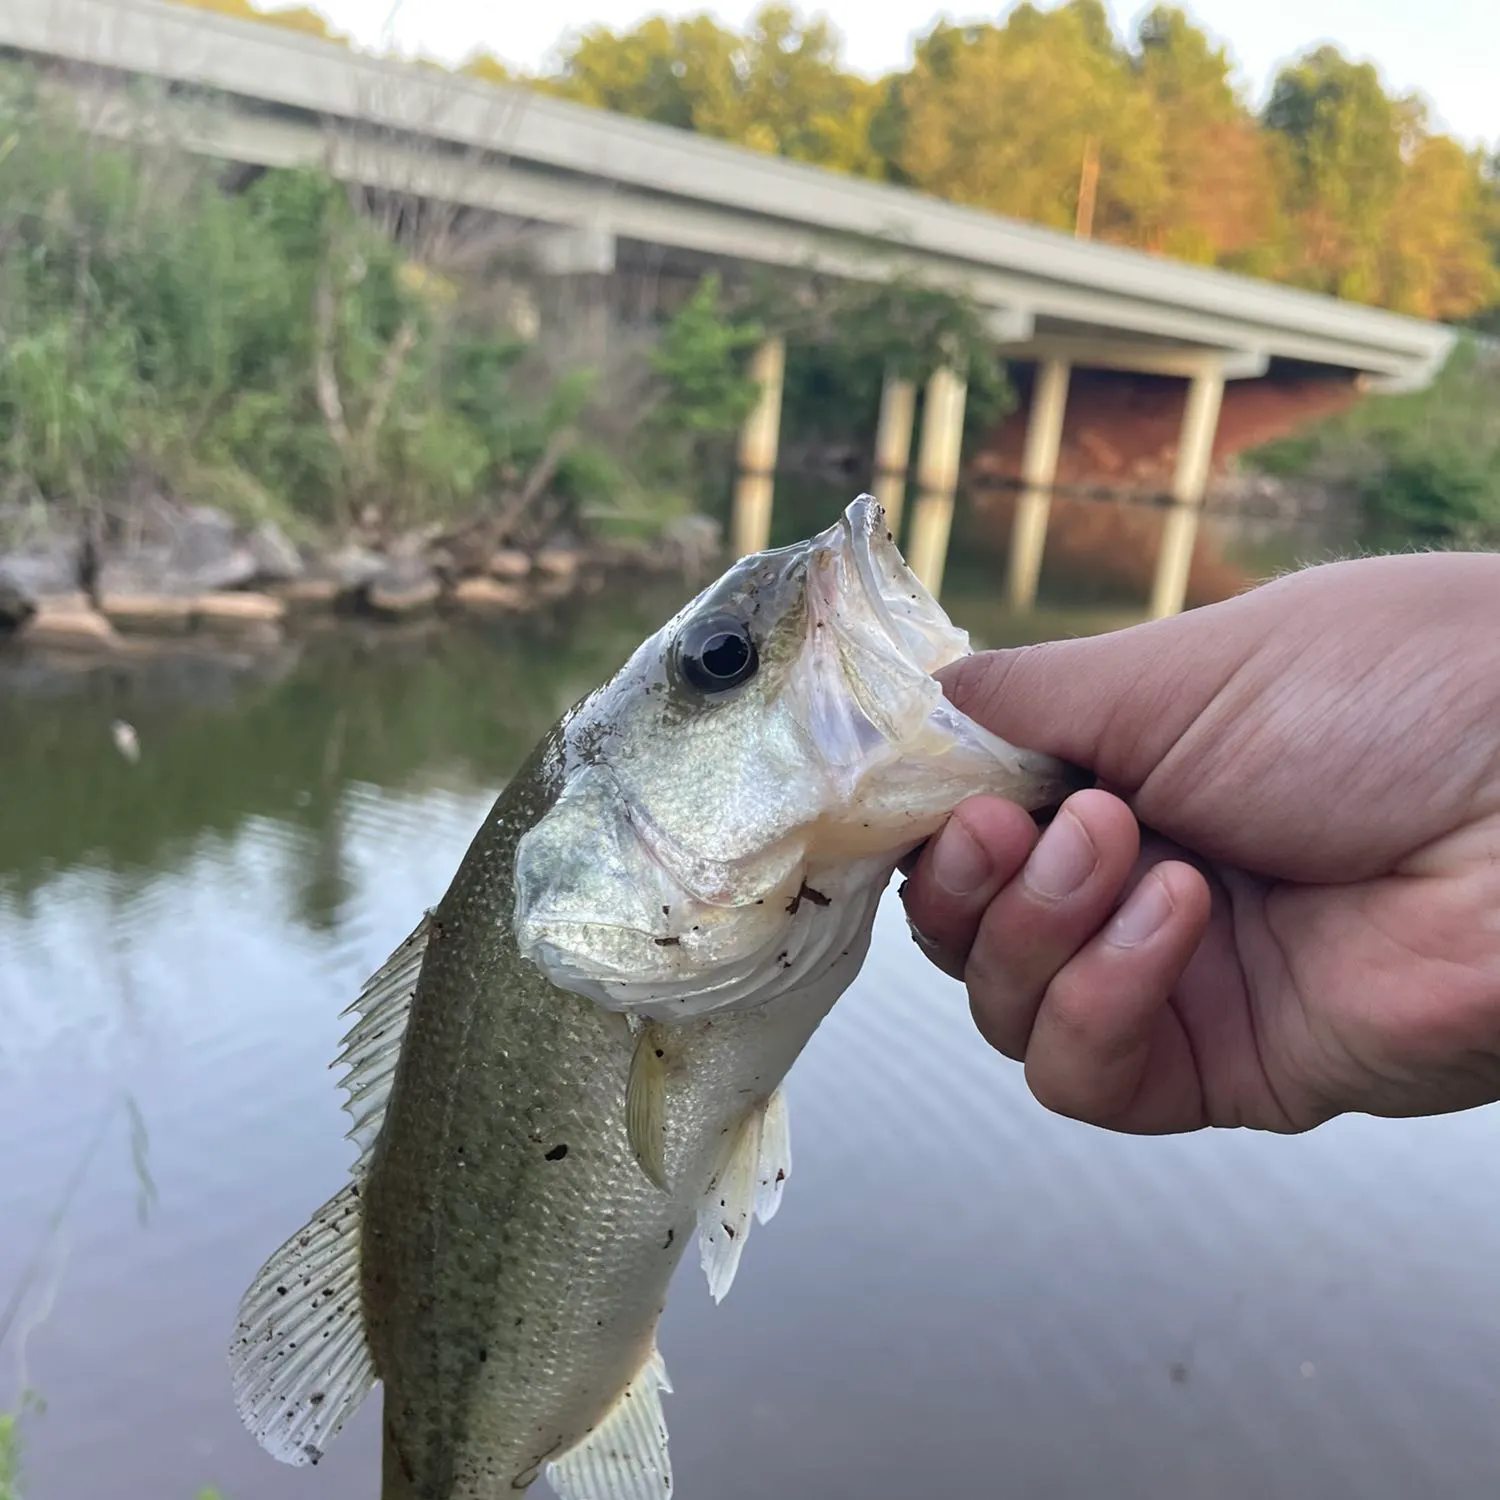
<point x="858" y="531"/>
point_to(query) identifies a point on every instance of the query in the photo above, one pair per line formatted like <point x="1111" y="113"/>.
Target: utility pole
<point x="1088" y="189"/>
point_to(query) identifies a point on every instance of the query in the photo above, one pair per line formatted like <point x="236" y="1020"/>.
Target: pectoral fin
<point x="625" y="1457"/>
<point x="646" y="1104"/>
<point x="749" y="1182"/>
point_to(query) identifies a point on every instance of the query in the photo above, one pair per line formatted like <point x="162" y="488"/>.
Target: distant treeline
<point x="1051" y="117"/>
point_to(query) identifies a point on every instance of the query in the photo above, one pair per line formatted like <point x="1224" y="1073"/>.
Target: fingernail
<point x="1147" y="908"/>
<point x="1062" y="861"/>
<point x="959" y="865"/>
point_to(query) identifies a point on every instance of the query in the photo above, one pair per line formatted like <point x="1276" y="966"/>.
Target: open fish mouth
<point x="915" y="622"/>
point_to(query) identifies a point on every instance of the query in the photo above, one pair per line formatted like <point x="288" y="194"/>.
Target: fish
<point x="573" y="1067"/>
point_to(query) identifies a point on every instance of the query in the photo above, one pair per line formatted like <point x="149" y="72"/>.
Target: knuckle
<point x="1072" y="1010"/>
<point x="1059" y="1091"/>
<point x="1006" y="1031"/>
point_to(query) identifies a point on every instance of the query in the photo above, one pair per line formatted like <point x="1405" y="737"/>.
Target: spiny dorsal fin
<point x="300" y="1362"/>
<point x="374" y="1041"/>
<point x="749" y="1181"/>
<point x="625" y="1457"/>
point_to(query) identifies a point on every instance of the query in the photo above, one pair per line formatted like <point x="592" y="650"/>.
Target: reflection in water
<point x="963" y="1295"/>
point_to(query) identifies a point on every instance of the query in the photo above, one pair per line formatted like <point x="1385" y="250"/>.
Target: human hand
<point x="1282" y="902"/>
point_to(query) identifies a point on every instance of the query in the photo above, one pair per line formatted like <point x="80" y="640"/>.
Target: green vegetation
<point x="10" y="1458"/>
<point x="1425" y="466"/>
<point x="276" y="352"/>
<point x="287" y="353"/>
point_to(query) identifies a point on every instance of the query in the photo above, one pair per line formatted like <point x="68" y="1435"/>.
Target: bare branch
<point x="391" y="366"/>
<point x="325" y="375"/>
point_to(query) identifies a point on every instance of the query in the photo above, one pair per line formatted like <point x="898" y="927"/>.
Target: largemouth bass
<point x="572" y="1068"/>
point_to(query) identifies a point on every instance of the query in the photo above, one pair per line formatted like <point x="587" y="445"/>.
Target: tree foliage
<point x="1337" y="186"/>
<point x="275" y="352"/>
<point x="1424" y="465"/>
<point x="781" y="87"/>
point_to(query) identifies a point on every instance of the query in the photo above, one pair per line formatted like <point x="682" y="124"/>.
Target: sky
<point x="1447" y="50"/>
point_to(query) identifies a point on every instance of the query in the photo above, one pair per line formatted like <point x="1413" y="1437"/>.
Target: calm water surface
<point x="962" y="1297"/>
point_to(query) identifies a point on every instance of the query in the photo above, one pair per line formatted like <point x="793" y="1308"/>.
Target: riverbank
<point x="166" y="572"/>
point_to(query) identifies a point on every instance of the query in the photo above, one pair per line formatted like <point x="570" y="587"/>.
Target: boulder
<point x="16" y="605"/>
<point x="190" y="551"/>
<point x="148" y="612"/>
<point x="237" y="611"/>
<point x="277" y="560"/>
<point x="508" y="563"/>
<point x="406" y="586"/>
<point x="310" y="592"/>
<point x="353" y="568"/>
<point x="30" y="573"/>
<point x="489" y="596"/>
<point x="69" y="625"/>
<point x="696" y="542"/>
<point x="557" y="562"/>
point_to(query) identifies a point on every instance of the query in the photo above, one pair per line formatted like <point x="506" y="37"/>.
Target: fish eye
<point x="717" y="654"/>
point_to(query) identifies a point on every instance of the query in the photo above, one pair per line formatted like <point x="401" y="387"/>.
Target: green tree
<point x="1343" y="139"/>
<point x="1440" y="261"/>
<point x="1221" y="204"/>
<point x="780" y="88"/>
<point x="1386" y="211"/>
<point x="1002" y="117"/>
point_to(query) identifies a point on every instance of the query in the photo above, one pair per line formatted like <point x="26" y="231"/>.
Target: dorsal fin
<point x="373" y="1043"/>
<point x="625" y="1457"/>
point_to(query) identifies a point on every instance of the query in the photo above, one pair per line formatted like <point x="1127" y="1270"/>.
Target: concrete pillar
<point x="1195" y="448"/>
<point x="753" y="490"/>
<point x="1028" y="536"/>
<point x="937" y="475"/>
<point x="898" y="404"/>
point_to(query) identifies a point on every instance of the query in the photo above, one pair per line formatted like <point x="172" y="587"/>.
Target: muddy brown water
<point x="963" y="1296"/>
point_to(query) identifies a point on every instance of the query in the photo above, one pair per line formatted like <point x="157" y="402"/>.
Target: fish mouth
<point x="871" y="704"/>
<point x="916" y="624"/>
<point x="874" y="638"/>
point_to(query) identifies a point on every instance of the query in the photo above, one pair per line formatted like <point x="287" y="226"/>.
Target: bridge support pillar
<point x="1028" y="537"/>
<point x="937" y="475"/>
<point x="750" y="528"/>
<point x="898" y="404"/>
<point x="1195" y="446"/>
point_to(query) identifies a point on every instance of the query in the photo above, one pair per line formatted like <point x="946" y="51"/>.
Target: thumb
<point x="1114" y="703"/>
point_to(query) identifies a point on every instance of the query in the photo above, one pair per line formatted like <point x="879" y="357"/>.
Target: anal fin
<point x="625" y="1457"/>
<point x="300" y="1362"/>
<point x="748" y="1182"/>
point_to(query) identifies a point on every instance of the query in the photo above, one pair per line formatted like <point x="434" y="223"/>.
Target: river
<point x="962" y="1296"/>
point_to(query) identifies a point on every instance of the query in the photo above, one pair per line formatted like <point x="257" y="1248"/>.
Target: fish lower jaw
<point x="820" y="948"/>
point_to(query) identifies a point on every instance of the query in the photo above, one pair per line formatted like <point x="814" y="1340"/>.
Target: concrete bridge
<point x="598" y="191"/>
